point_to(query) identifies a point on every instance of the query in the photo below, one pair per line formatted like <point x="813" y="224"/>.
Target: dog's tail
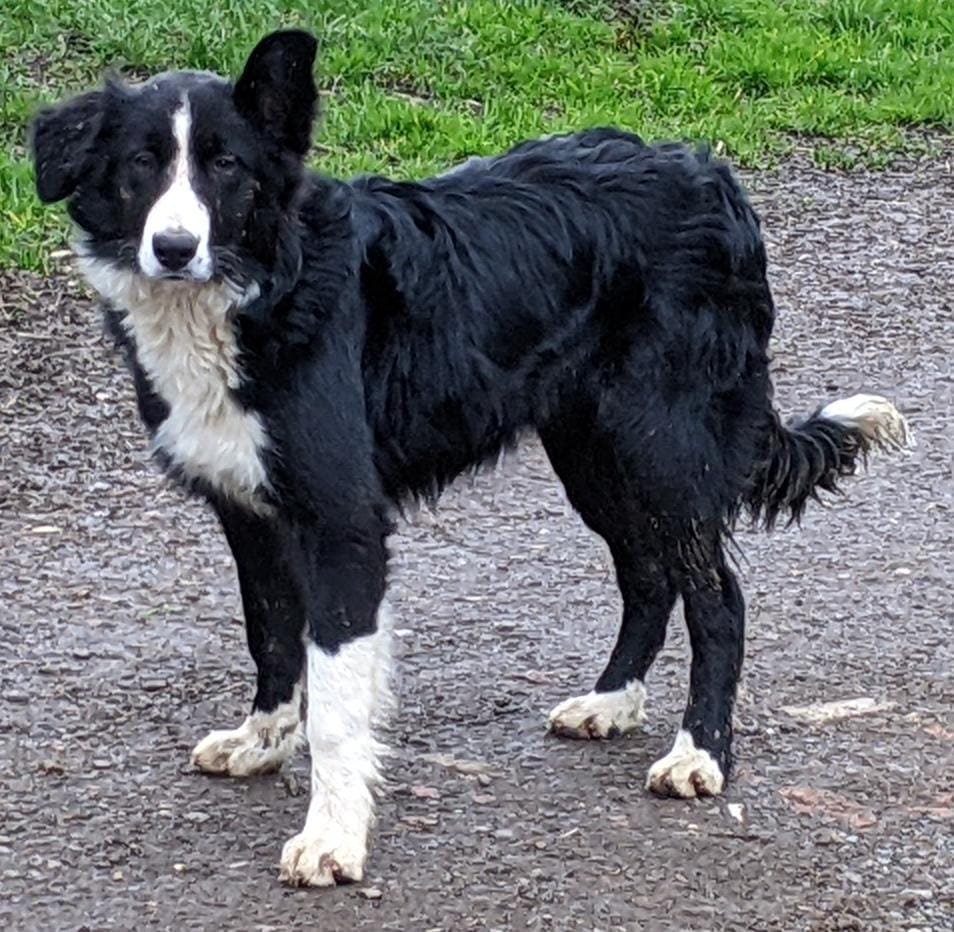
<point x="802" y="457"/>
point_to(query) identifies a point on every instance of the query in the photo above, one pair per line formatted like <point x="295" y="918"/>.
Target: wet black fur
<point x="606" y="294"/>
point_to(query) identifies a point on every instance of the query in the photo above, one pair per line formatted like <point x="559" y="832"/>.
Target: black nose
<point x="174" y="250"/>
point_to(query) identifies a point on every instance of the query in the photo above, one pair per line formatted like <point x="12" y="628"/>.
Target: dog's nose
<point x="174" y="250"/>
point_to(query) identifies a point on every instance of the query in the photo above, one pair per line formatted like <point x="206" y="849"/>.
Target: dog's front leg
<point x="273" y="597"/>
<point x="348" y="654"/>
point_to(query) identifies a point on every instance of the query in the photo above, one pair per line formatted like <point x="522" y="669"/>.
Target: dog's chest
<point x="186" y="344"/>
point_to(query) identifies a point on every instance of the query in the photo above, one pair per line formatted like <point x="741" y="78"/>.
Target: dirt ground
<point x="122" y="645"/>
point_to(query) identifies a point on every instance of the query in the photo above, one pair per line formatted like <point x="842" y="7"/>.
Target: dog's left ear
<point x="277" y="88"/>
<point x="61" y="139"/>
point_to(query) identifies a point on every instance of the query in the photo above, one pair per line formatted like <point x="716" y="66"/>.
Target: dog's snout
<point x="174" y="250"/>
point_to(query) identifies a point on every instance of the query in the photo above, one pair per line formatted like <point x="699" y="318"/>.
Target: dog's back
<point x="571" y="269"/>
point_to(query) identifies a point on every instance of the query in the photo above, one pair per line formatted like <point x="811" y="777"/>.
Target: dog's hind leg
<point x="274" y="618"/>
<point x="701" y="756"/>
<point x="597" y="488"/>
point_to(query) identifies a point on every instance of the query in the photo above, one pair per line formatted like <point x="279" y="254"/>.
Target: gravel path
<point x="122" y="646"/>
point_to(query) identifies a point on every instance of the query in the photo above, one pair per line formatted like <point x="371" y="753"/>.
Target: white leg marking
<point x="260" y="744"/>
<point x="601" y="715"/>
<point x="347" y="691"/>
<point x="686" y="771"/>
<point x="879" y="420"/>
<point x="179" y="208"/>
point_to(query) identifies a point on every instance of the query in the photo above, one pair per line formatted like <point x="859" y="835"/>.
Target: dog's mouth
<point x="184" y="276"/>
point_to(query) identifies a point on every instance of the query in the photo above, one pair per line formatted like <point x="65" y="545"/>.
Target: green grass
<point x="411" y="86"/>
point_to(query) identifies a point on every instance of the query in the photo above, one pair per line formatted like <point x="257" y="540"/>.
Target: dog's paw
<point x="241" y="752"/>
<point x="686" y="771"/>
<point x="261" y="744"/>
<point x="600" y="715"/>
<point x="315" y="858"/>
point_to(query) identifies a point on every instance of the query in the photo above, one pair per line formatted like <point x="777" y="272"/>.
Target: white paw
<point x="261" y="744"/>
<point x="600" y="715"/>
<point x="686" y="771"/>
<point x="323" y="856"/>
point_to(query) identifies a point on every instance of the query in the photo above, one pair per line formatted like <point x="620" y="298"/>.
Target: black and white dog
<point x="308" y="353"/>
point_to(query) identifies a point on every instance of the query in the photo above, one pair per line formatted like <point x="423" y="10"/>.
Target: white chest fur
<point x="185" y="342"/>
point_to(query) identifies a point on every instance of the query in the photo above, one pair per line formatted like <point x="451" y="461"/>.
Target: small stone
<point x="293" y="786"/>
<point x="117" y="875"/>
<point x="179" y="867"/>
<point x="911" y="896"/>
<point x="825" y="836"/>
<point x="504" y="834"/>
<point x="370" y="893"/>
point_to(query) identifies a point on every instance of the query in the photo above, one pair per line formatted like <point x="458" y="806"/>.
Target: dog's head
<point x="186" y="176"/>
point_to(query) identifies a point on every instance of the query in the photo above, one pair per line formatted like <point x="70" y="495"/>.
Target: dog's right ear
<point x="61" y="138"/>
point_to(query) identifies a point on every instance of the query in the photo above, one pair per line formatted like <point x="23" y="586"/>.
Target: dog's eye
<point x="224" y="163"/>
<point x="143" y="161"/>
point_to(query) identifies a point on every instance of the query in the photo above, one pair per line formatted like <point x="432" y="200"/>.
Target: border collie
<point x="310" y="353"/>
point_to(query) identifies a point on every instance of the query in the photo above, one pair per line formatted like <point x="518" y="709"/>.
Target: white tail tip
<point x="879" y="420"/>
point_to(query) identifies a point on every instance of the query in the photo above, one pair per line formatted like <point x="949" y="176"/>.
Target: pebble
<point x="912" y="895"/>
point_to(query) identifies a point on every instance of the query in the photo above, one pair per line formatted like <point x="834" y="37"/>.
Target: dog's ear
<point x="61" y="138"/>
<point x="277" y="89"/>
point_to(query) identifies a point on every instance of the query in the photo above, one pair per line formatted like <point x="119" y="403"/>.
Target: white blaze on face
<point x="179" y="209"/>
